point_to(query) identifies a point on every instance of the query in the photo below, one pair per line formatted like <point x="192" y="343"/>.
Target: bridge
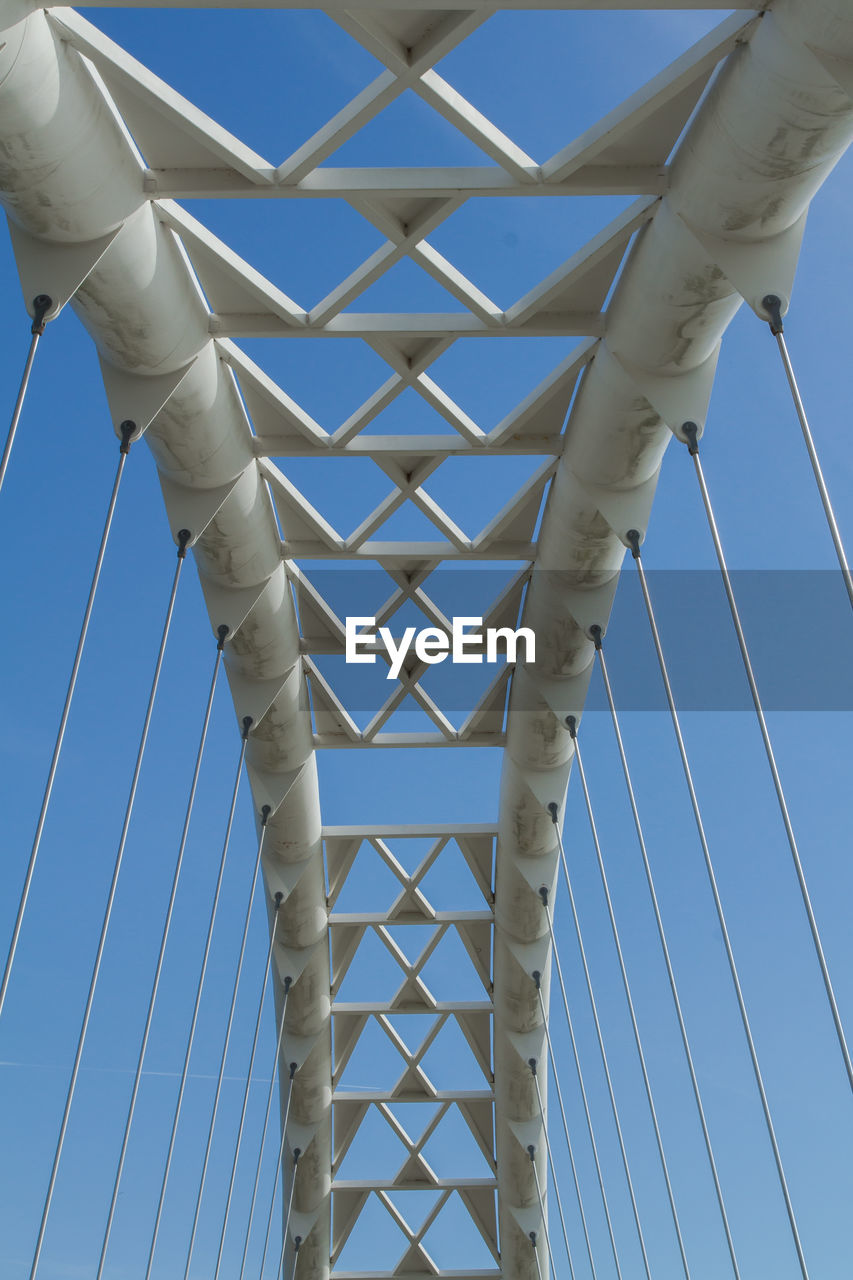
<point x="495" y="966"/>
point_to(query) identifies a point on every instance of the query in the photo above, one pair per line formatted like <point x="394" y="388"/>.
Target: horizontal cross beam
<point x="353" y="184"/>
<point x="343" y="918"/>
<point x="406" y="740"/>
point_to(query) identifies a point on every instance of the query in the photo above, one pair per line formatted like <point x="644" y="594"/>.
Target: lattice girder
<point x="411" y="906"/>
<point x="163" y="300"/>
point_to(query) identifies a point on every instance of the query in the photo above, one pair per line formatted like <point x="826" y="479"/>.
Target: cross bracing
<point x="716" y="219"/>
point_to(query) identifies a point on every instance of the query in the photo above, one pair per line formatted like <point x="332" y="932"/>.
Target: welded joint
<point x="624" y="508"/>
<point x="534" y="871"/>
<point x="302" y="1135"/>
<point x="52" y="271"/>
<point x="526" y="1045"/>
<point x="197" y="507"/>
<point x="233" y="605"/>
<point x="296" y="1048"/>
<point x="669" y="398"/>
<point x="142" y="396"/>
<point x="756" y="269"/>
<point x="563" y="696"/>
<point x="293" y="961"/>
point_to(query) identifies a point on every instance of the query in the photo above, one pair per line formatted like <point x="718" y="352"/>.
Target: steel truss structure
<point x="723" y="151"/>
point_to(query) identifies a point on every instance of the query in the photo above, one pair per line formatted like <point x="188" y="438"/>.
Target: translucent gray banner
<point x="798" y="624"/>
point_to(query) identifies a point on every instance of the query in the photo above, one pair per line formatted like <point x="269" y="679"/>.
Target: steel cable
<point x="288" y="981"/>
<point x="531" y="1062"/>
<point x="673" y="986"/>
<point x="531" y="1151"/>
<point x="691" y="433"/>
<point x="590" y="1127"/>
<point x="773" y="305"/>
<point x="278" y="1165"/>
<point x="228" y="1029"/>
<point x="600" y="1037"/>
<point x="634" y="1027"/>
<point x="155" y="986"/>
<point x="247" y="722"/>
<point x="41" y="305"/>
<point x="183" y="540"/>
<point x="718" y="905"/>
<point x="127" y="429"/>
<point x="297" y="1241"/>
<point x="531" y="1235"/>
<point x="279" y="898"/>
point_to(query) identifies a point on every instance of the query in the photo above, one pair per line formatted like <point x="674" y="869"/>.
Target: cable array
<point x="624" y="1201"/>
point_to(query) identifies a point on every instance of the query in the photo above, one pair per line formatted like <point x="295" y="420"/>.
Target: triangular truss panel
<point x="102" y="192"/>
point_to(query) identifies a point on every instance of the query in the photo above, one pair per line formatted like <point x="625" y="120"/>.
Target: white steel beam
<point x="226" y="182"/>
<point x="720" y="200"/>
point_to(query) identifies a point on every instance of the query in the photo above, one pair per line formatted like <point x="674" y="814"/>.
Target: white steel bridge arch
<point x="97" y="154"/>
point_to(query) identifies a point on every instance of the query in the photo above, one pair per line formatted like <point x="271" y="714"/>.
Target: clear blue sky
<point x="272" y="79"/>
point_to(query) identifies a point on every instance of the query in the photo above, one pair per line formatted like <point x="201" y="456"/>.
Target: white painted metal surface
<point x="97" y="221"/>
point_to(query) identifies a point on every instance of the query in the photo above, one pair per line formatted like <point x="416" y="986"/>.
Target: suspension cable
<point x="278" y="1166"/>
<point x="690" y="432"/>
<point x="531" y="1235"/>
<point x="543" y="892"/>
<point x="531" y="1151"/>
<point x="773" y="306"/>
<point x="670" y="970"/>
<point x="41" y="305"/>
<point x="228" y="1029"/>
<point x="127" y="431"/>
<point x="296" y="1154"/>
<point x="155" y="986"/>
<point x="632" y="1012"/>
<point x="537" y="980"/>
<point x="531" y="1062"/>
<point x="718" y="904"/>
<point x="247" y="724"/>
<point x="288" y="982"/>
<point x="183" y="540"/>
<point x="279" y="898"/>
<point x="297" y="1241"/>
